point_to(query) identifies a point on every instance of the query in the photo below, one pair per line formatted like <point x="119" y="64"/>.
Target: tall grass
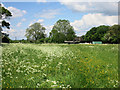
<point x="59" y="66"/>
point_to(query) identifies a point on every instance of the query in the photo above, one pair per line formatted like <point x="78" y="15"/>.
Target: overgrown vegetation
<point x="59" y="66"/>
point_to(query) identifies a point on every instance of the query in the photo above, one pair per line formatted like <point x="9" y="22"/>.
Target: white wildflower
<point x="54" y="82"/>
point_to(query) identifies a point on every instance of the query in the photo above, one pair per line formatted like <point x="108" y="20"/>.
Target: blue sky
<point x="82" y="16"/>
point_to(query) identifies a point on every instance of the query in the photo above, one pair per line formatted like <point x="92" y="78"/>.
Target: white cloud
<point x="107" y="8"/>
<point x="34" y="21"/>
<point x="2" y="5"/>
<point x="16" y="12"/>
<point x="8" y="31"/>
<point x="19" y="24"/>
<point x="48" y="14"/>
<point x="40" y="20"/>
<point x="91" y="20"/>
<point x="17" y="34"/>
<point x="24" y="11"/>
<point x="41" y="0"/>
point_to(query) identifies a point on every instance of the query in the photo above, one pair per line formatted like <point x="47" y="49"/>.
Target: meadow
<point x="59" y="66"/>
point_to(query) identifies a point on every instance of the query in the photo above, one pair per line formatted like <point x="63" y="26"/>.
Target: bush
<point x="40" y="40"/>
<point x="47" y="40"/>
<point x="15" y="41"/>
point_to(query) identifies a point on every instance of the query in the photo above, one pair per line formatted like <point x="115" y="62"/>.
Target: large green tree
<point x="35" y="32"/>
<point x="96" y="33"/>
<point x="57" y="37"/>
<point x="61" y="31"/>
<point x="113" y="35"/>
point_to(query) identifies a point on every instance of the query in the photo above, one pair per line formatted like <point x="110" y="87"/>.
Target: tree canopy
<point x="96" y="33"/>
<point x="113" y="35"/>
<point x="61" y="31"/>
<point x="35" y="32"/>
<point x="107" y="34"/>
<point x="5" y="14"/>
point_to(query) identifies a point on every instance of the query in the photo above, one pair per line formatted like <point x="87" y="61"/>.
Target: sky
<point x="82" y="15"/>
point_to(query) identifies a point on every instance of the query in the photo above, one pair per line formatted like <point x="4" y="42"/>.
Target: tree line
<point x="61" y="31"/>
<point x="106" y="34"/>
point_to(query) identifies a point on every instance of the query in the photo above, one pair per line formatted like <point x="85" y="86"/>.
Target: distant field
<point x="59" y="66"/>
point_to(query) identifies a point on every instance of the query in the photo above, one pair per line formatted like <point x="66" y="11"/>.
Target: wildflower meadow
<point x="59" y="66"/>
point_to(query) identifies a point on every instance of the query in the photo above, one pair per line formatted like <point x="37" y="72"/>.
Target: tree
<point x="70" y="35"/>
<point x="89" y="35"/>
<point x="35" y="32"/>
<point x="113" y="35"/>
<point x="96" y="33"/>
<point x="61" y="31"/>
<point x="47" y="39"/>
<point x="5" y="38"/>
<point x="4" y="14"/>
<point x="54" y="36"/>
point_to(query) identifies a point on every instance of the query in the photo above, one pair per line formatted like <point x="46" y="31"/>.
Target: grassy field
<point x="59" y="66"/>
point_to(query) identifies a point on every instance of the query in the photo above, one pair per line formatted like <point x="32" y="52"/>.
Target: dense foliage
<point x="35" y="32"/>
<point x="4" y="14"/>
<point x="96" y="33"/>
<point x="61" y="31"/>
<point x="113" y="35"/>
<point x="107" y="34"/>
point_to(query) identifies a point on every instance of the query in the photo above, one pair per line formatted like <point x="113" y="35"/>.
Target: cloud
<point x="48" y="14"/>
<point x="17" y="34"/>
<point x="16" y="12"/>
<point x="34" y="21"/>
<point x="19" y="24"/>
<point x="40" y="20"/>
<point x="41" y="0"/>
<point x="106" y="8"/>
<point x="2" y="5"/>
<point x="91" y="20"/>
<point x="8" y="31"/>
